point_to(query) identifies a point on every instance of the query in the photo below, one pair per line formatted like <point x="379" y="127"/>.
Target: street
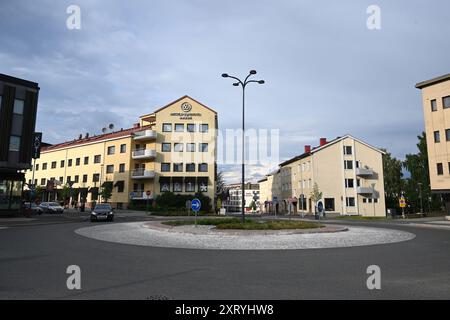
<point x="34" y="259"/>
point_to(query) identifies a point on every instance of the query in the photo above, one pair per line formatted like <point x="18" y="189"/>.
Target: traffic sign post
<point x="195" y="206"/>
<point x="402" y="203"/>
<point x="148" y="194"/>
<point x="320" y="209"/>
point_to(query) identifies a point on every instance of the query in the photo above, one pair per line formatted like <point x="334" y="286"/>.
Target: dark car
<point x="102" y="211"/>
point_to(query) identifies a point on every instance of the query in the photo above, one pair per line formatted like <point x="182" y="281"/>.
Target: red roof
<point x="98" y="138"/>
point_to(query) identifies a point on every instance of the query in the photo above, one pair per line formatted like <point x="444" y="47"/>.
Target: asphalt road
<point x="33" y="262"/>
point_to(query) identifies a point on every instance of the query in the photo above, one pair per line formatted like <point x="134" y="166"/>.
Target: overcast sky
<point x="326" y="73"/>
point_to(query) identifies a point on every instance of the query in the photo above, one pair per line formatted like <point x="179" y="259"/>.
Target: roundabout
<point x="157" y="234"/>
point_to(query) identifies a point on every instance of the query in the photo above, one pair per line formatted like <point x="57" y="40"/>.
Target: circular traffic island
<point x="232" y="234"/>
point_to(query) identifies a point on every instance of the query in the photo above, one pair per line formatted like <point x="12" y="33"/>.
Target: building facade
<point x="436" y="110"/>
<point x="18" y="106"/>
<point x="348" y="172"/>
<point x="172" y="149"/>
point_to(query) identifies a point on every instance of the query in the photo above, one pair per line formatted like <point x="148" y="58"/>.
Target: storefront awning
<point x="107" y="184"/>
<point x="93" y="190"/>
<point x="119" y="184"/>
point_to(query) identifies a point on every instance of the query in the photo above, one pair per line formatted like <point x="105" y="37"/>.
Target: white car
<point x="51" y="207"/>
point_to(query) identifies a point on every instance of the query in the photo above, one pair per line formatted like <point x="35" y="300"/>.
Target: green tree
<point x="316" y="194"/>
<point x="419" y="181"/>
<point x="106" y="193"/>
<point x="393" y="175"/>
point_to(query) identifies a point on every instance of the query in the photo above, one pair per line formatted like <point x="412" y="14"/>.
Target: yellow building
<point x="172" y="149"/>
<point x="436" y="110"/>
<point x="348" y="171"/>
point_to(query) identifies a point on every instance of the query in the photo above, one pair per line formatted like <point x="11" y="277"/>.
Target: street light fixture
<point x="243" y="84"/>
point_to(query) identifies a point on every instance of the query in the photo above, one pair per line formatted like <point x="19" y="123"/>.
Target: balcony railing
<point x="142" y="174"/>
<point x="364" y="190"/>
<point x="364" y="172"/>
<point x="143" y="154"/>
<point x="140" y="194"/>
<point x="145" y="135"/>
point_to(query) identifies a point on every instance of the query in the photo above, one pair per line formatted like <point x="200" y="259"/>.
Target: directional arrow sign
<point x="196" y="205"/>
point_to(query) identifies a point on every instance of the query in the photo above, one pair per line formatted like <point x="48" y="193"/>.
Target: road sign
<point x="320" y="206"/>
<point x="148" y="193"/>
<point x="196" y="205"/>
<point x="402" y="202"/>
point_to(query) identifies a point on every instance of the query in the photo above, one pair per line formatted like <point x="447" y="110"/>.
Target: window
<point x="178" y="167"/>
<point x="111" y="150"/>
<point x="69" y="179"/>
<point x="110" y="168"/>
<point x="190" y="167"/>
<point x="165" y="167"/>
<point x="69" y="162"/>
<point x="203" y="147"/>
<point x="77" y="161"/>
<point x="123" y="148"/>
<point x="61" y="180"/>
<point x="202" y="167"/>
<point x="76" y="179"/>
<point x="53" y="165"/>
<point x="369" y="200"/>
<point x="329" y="204"/>
<point x="43" y="182"/>
<point x="121" y="186"/>
<point x="189" y="186"/>
<point x="204" y="127"/>
<point x="177" y="186"/>
<point x="62" y="164"/>
<point x="37" y="166"/>
<point x="190" y="147"/>
<point x="95" y="177"/>
<point x="447" y="134"/>
<point x="85" y="177"/>
<point x="122" y="167"/>
<point x="165" y="147"/>
<point x="86" y="160"/>
<point x="358" y="182"/>
<point x="44" y="166"/>
<point x="350" y="201"/>
<point x="446" y="102"/>
<point x="349" y="183"/>
<point x="437" y="137"/>
<point x="364" y="200"/>
<point x="440" y="169"/>
<point x="348" y="164"/>
<point x="357" y="164"/>
<point x="433" y="105"/>
<point x="18" y="106"/>
<point x="375" y="200"/>
<point x="178" y="147"/>
<point x="179" y="127"/>
<point x="347" y="150"/>
<point x="167" y="127"/>
<point x="14" y="143"/>
<point x="97" y="158"/>
<point x="190" y="127"/>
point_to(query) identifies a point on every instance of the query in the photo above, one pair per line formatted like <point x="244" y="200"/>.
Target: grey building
<point x="18" y="106"/>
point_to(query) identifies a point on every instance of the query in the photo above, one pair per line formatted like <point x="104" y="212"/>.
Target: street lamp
<point x="243" y="84"/>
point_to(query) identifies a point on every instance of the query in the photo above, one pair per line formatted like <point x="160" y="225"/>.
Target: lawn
<point x="250" y="224"/>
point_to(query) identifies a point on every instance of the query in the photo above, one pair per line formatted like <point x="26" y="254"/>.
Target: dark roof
<point x="18" y="81"/>
<point x="433" y="81"/>
<point x="97" y="138"/>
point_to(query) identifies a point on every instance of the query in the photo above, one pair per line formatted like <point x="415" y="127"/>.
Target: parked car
<point x="102" y="211"/>
<point x="51" y="207"/>
<point x="35" y="209"/>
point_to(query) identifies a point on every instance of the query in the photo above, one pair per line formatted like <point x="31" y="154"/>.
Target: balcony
<point x="142" y="174"/>
<point x="140" y="195"/>
<point x="143" y="154"/>
<point x="144" y="135"/>
<point x="364" y="190"/>
<point x="364" y="172"/>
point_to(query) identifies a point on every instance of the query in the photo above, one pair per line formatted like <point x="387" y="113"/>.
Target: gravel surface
<point x="201" y="237"/>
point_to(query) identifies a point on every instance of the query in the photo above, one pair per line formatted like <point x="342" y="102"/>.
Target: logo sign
<point x="196" y="205"/>
<point x="186" y="106"/>
<point x="36" y="145"/>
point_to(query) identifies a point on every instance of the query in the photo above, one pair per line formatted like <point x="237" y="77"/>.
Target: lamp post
<point x="243" y="84"/>
<point x="420" y="195"/>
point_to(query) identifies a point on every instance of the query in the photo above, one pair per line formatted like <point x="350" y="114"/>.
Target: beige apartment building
<point x="436" y="110"/>
<point x="348" y="171"/>
<point x="172" y="149"/>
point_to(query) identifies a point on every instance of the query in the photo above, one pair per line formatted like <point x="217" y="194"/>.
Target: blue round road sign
<point x="320" y="206"/>
<point x="196" y="205"/>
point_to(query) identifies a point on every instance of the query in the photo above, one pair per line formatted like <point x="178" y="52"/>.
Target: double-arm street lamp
<point x="243" y="84"/>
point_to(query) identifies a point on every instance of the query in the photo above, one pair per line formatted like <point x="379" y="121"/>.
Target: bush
<point x="169" y="201"/>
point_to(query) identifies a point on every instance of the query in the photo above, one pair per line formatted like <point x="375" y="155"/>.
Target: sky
<point x="327" y="74"/>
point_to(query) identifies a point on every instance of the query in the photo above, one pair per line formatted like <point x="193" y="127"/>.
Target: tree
<point x="219" y="194"/>
<point x="419" y="181"/>
<point x="316" y="194"/>
<point x="393" y="175"/>
<point x="106" y="193"/>
<point x="253" y="206"/>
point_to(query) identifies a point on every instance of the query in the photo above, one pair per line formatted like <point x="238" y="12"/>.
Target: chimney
<point x="136" y="125"/>
<point x="323" y="141"/>
<point x="307" y="148"/>
<point x="80" y="136"/>
<point x="87" y="135"/>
